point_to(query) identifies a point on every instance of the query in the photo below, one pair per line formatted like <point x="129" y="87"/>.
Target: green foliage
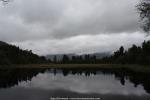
<point x="10" y="54"/>
<point x="134" y="55"/>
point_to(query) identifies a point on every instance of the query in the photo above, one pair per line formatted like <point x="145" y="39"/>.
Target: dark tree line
<point x="79" y="59"/>
<point x="86" y="59"/>
<point x="134" y="55"/>
<point x="10" y="54"/>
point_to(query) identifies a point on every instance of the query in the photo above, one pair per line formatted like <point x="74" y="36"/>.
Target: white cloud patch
<point x="84" y="43"/>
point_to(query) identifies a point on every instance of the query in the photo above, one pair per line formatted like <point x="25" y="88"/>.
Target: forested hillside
<point x="10" y="54"/>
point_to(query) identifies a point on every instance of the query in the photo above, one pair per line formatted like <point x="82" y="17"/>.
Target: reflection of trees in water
<point x="9" y="78"/>
<point x="135" y="78"/>
<point x="120" y="74"/>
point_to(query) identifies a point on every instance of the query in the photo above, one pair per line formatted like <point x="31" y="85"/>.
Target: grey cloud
<point x="48" y="19"/>
<point x="70" y="26"/>
<point x="41" y="11"/>
<point x="104" y="17"/>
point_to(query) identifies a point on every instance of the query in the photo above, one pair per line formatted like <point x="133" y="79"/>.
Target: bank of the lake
<point x="135" y="68"/>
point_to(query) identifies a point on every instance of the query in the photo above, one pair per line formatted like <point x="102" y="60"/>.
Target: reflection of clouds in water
<point x="103" y="84"/>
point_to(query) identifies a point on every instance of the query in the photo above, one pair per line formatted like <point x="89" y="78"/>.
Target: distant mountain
<point x="10" y="54"/>
<point x="60" y="56"/>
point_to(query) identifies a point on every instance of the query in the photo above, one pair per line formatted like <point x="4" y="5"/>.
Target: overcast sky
<point x="70" y="26"/>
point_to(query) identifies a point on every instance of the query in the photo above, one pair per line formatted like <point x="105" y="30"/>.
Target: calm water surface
<point x="41" y="84"/>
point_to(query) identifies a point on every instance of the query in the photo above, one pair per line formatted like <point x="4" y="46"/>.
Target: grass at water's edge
<point x="135" y="68"/>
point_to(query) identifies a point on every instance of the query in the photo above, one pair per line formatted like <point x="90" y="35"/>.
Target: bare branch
<point x="144" y="11"/>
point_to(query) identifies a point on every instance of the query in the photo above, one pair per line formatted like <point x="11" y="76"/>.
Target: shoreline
<point x="131" y="67"/>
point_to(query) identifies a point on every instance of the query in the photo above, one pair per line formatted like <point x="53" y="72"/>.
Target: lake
<point x="44" y="84"/>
